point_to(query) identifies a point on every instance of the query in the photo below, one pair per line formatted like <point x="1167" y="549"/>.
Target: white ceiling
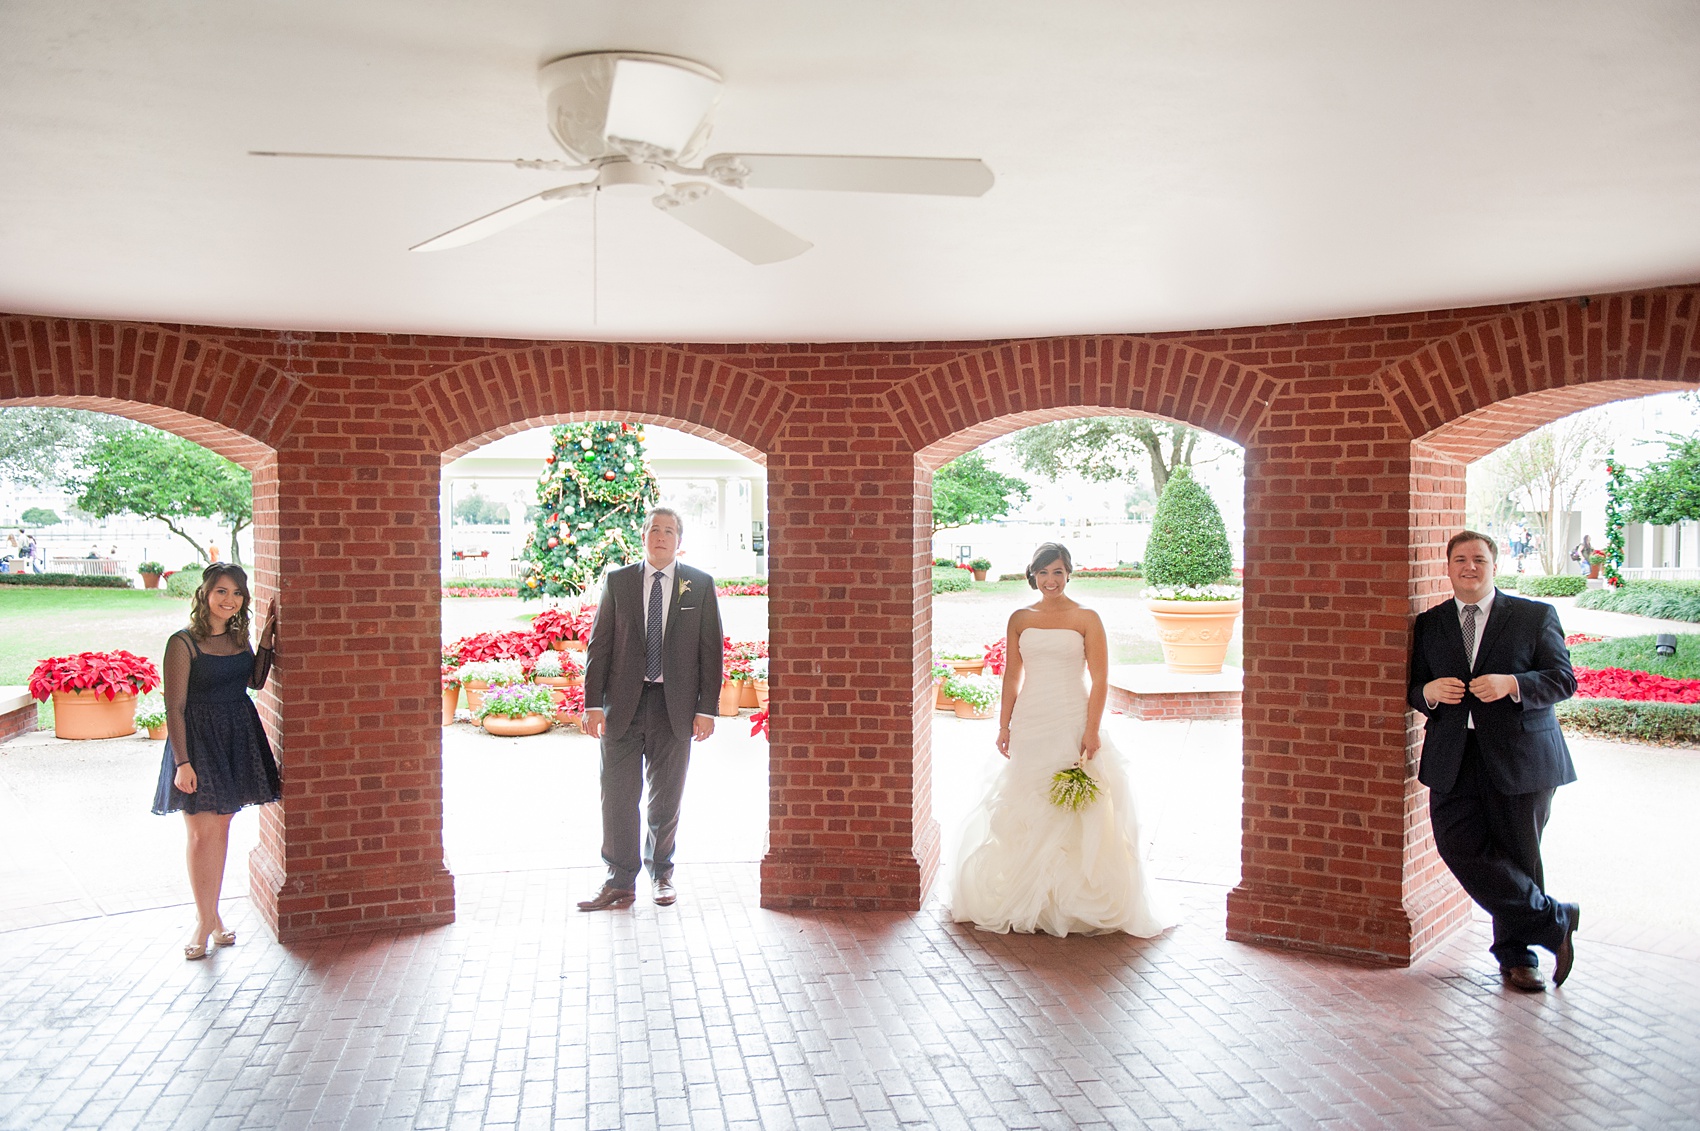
<point x="1167" y="164"/>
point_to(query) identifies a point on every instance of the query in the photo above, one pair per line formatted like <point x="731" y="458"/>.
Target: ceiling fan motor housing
<point x="635" y="104"/>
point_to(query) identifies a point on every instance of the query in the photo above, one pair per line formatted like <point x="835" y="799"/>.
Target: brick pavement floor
<point x="716" y="1013"/>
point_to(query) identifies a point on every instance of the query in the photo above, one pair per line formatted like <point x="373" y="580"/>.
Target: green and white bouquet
<point x="1073" y="788"/>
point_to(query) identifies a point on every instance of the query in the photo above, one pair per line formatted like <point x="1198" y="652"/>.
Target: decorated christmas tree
<point x="591" y="499"/>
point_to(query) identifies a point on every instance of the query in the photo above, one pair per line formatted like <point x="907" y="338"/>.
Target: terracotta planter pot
<point x="941" y="701"/>
<point x="567" y="645"/>
<point x="504" y="727"/>
<point x="150" y="581"/>
<point x="965" y="710"/>
<point x="967" y="667"/>
<point x="475" y="689"/>
<point x="731" y="694"/>
<point x="88" y="714"/>
<point x="451" y="700"/>
<point x="979" y="575"/>
<point x="567" y="720"/>
<point x="555" y="680"/>
<point x="1594" y="570"/>
<point x="761" y="693"/>
<point x="156" y="733"/>
<point x="747" y="695"/>
<point x="1195" y="634"/>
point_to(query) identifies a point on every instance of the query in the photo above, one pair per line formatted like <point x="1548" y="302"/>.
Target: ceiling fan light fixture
<point x="629" y="104"/>
<point x="658" y="104"/>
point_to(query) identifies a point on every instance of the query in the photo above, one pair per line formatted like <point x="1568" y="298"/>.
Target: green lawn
<point x="1635" y="653"/>
<point x="38" y="623"/>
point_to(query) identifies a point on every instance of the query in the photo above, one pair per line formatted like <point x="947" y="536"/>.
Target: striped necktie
<point x="652" y="633"/>
<point x="1470" y="634"/>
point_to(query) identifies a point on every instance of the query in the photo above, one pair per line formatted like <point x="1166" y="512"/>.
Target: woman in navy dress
<point x="217" y="758"/>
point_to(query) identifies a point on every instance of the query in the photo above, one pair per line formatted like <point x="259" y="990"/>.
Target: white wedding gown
<point x="1027" y="865"/>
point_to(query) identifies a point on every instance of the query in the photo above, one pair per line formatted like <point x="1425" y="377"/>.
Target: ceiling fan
<point x="638" y="121"/>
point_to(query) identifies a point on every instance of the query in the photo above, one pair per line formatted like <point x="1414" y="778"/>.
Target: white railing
<point x="88" y="567"/>
<point x="1661" y="573"/>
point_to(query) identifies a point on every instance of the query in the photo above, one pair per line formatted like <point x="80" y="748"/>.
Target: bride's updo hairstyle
<point x="1047" y="553"/>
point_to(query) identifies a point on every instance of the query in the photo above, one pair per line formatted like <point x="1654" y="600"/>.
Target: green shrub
<point x="1506" y="581"/>
<point x="1668" y="600"/>
<point x="942" y="563"/>
<point x="184" y="582"/>
<point x="981" y="564"/>
<point x="480" y="583"/>
<point x="1554" y="585"/>
<point x="1189" y="544"/>
<point x="952" y="580"/>
<point x="66" y="580"/>
<point x="1636" y="654"/>
<point x="1668" y="724"/>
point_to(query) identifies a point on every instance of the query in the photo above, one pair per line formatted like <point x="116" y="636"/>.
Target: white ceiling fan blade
<point x="517" y="162"/>
<point x="935" y="176"/>
<point x="516" y="213"/>
<point x="729" y="224"/>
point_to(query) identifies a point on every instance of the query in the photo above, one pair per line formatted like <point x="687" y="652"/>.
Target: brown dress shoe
<point x="609" y="897"/>
<point x="1525" y="978"/>
<point x="664" y="893"/>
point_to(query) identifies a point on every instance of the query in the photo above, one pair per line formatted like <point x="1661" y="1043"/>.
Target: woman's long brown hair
<point x="200" y="613"/>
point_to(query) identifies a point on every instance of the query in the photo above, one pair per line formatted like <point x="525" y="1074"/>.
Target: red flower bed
<point x="1581" y="638"/>
<point x="564" y="624"/>
<point x="515" y="645"/>
<point x="741" y="590"/>
<point x="1617" y="683"/>
<point x="480" y="592"/>
<point x="106" y="673"/>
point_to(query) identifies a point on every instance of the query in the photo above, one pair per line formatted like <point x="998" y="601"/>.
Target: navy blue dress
<point x="226" y="744"/>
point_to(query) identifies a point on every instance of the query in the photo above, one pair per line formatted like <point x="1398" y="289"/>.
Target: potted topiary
<point x="1185" y="561"/>
<point x="980" y="566"/>
<point x="94" y="693"/>
<point x="516" y="709"/>
<point x="150" y="572"/>
<point x="974" y="694"/>
<point x="151" y="716"/>
<point x="480" y="675"/>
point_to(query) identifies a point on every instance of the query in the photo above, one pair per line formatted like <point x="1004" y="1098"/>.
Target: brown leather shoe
<point x="1525" y="978"/>
<point x="1567" y="949"/>
<point x="664" y="893"/>
<point x="609" y="897"/>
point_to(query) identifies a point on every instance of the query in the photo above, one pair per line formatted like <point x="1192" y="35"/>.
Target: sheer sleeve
<point x="264" y="658"/>
<point x="177" y="660"/>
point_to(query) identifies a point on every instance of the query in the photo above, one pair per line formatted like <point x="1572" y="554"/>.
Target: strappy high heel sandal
<point x="193" y="951"/>
<point x="224" y="938"/>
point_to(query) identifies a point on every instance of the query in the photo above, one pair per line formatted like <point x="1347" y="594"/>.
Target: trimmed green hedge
<point x="66" y="580"/>
<point x="1668" y="724"/>
<point x="481" y="583"/>
<point x="1506" y="581"/>
<point x="1668" y="600"/>
<point x="952" y="580"/>
<point x="184" y="582"/>
<point x="1553" y="585"/>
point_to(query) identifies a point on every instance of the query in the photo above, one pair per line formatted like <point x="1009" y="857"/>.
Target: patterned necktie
<point x="652" y="633"/>
<point x="1470" y="634"/>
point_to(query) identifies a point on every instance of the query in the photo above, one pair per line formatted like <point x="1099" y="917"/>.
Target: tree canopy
<point x="143" y="471"/>
<point x="1668" y="491"/>
<point x="40" y="446"/>
<point x="968" y="490"/>
<point x="1545" y="471"/>
<point x="1106" y="448"/>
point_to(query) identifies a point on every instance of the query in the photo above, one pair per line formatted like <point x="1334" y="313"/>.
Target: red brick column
<point x="357" y="842"/>
<point x="851" y="822"/>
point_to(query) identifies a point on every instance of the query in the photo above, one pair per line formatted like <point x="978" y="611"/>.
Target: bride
<point x="1024" y="863"/>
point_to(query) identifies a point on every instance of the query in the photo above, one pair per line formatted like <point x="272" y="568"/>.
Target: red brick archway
<point x="1354" y="433"/>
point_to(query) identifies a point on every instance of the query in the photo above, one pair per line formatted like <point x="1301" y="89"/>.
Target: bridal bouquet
<point x="1073" y="788"/>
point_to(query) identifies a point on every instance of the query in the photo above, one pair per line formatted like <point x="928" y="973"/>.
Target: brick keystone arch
<point x="500" y="394"/>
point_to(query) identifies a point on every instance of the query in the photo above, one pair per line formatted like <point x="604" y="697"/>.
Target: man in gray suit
<point x="651" y="685"/>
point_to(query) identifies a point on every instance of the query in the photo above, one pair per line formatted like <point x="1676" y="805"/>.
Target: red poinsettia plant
<point x="1618" y="683"/>
<point x="738" y="657"/>
<point x="569" y="700"/>
<point x="564" y="623"/>
<point x="512" y="645"/>
<point x="997" y="655"/>
<point x="758" y="723"/>
<point x="105" y="673"/>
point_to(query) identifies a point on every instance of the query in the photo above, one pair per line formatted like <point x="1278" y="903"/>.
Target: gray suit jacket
<point x="691" y="653"/>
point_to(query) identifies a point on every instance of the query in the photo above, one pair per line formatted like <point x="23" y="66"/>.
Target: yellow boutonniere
<point x="684" y="586"/>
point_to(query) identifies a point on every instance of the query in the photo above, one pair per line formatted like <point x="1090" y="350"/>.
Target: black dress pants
<point x="1492" y="843"/>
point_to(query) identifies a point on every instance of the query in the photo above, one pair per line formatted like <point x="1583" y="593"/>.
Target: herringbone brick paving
<point x="718" y="1014"/>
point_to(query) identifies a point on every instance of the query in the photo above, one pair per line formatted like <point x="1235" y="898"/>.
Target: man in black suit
<point x="1487" y="668"/>
<point x="651" y="685"/>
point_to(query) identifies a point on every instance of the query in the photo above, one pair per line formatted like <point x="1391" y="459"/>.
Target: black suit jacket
<point x="1521" y="746"/>
<point x="691" y="653"/>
